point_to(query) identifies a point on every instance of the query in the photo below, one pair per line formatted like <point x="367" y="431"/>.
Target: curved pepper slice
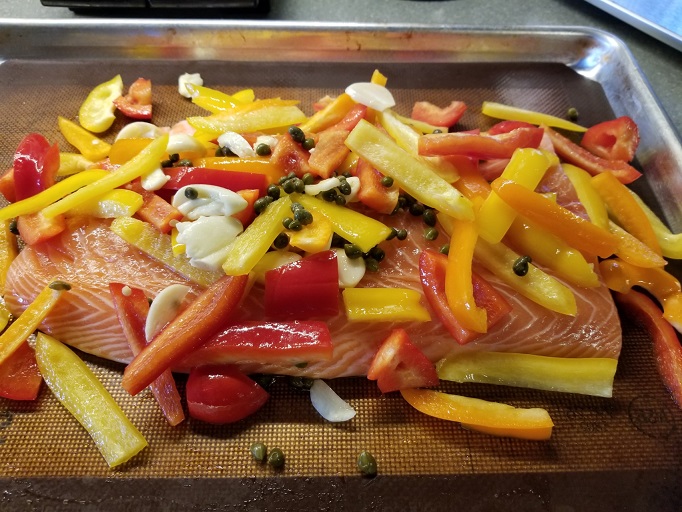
<point x="9" y="249"/>
<point x="633" y="250"/>
<point x="96" y="114"/>
<point x="217" y="101"/>
<point x="489" y="417"/>
<point x="77" y="388"/>
<point x="501" y="111"/>
<point x="588" y="196"/>
<point x="91" y="147"/>
<point x="671" y="243"/>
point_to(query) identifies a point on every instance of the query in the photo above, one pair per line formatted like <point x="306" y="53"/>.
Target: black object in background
<point x="171" y="8"/>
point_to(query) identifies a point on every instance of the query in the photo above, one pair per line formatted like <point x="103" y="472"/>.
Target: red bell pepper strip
<point x="36" y="163"/>
<point x="666" y="344"/>
<point x="247" y="215"/>
<point x="290" y="342"/>
<point x="304" y="289"/>
<point x="20" y="378"/>
<point x="616" y="139"/>
<point x="132" y="309"/>
<point x="579" y="156"/>
<point x="155" y="210"/>
<point x="432" y="268"/>
<point x="137" y="104"/>
<point x="508" y="126"/>
<point x="400" y="364"/>
<point x="372" y="192"/>
<point x="437" y="116"/>
<point x="351" y="119"/>
<point x="188" y="331"/>
<point x="231" y="180"/>
<point x="222" y="394"/>
<point x="481" y="146"/>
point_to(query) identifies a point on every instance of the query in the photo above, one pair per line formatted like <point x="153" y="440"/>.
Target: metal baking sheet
<point x="622" y="453"/>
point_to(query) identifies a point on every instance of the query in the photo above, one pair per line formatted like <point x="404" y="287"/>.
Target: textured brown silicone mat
<point x="632" y="441"/>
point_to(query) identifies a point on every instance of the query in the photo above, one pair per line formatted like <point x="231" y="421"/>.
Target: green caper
<point x="392" y="234"/>
<point x="387" y="181"/>
<point x="174" y="157"/>
<point x="273" y="191"/>
<point x="281" y="241"/>
<point x="184" y="163"/>
<point x="340" y="200"/>
<point x="402" y="234"/>
<point x="330" y="195"/>
<point x="377" y="253"/>
<point x="417" y="209"/>
<point x="166" y="163"/>
<point x="402" y="202"/>
<point x="302" y="383"/>
<point x="303" y="216"/>
<point x="13" y="228"/>
<point x="338" y="240"/>
<point x="429" y="217"/>
<point x="295" y="225"/>
<point x="572" y="114"/>
<point x="286" y="222"/>
<point x="367" y="464"/>
<point x="352" y="251"/>
<point x="437" y="130"/>
<point x="520" y="266"/>
<point x="444" y="249"/>
<point x="191" y="193"/>
<point x="308" y="178"/>
<point x="289" y="186"/>
<point x="263" y="149"/>
<point x="276" y="458"/>
<point x="259" y="451"/>
<point x="299" y="185"/>
<point x="371" y="264"/>
<point x="264" y="380"/>
<point x="261" y="204"/>
<point x="431" y="234"/>
<point x="345" y="188"/>
<point x="297" y="134"/>
<point x="308" y="143"/>
<point x="60" y="285"/>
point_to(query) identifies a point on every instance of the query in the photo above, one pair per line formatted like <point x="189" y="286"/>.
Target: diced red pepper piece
<point x="137" y="104"/>
<point x="372" y="192"/>
<point x="132" y="309"/>
<point x="35" y="227"/>
<point x="20" y="378"/>
<point x="579" y="156"/>
<point x="432" y="268"/>
<point x="432" y="114"/>
<point x="155" y="210"/>
<point x="231" y="180"/>
<point x="247" y="215"/>
<point x="666" y="344"/>
<point x="330" y="152"/>
<point x="351" y="119"/>
<point x="616" y="139"/>
<point x="222" y="394"/>
<point x="36" y="163"/>
<point x="481" y="146"/>
<point x="289" y="156"/>
<point x="304" y="289"/>
<point x="197" y="324"/>
<point x="400" y="364"/>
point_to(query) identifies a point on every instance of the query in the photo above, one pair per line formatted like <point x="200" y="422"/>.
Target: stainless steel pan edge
<point x="595" y="54"/>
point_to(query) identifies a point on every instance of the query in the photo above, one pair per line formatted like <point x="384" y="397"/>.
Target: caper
<point x="431" y="234"/>
<point x="429" y="217"/>
<point x="281" y="241"/>
<point x="263" y="149"/>
<point x="273" y="191"/>
<point x="286" y="222"/>
<point x="417" y="209"/>
<point x="340" y="200"/>
<point x="297" y="134"/>
<point x="60" y="285"/>
<point x="520" y="266"/>
<point x="264" y="380"/>
<point x="166" y="163"/>
<point x="308" y="143"/>
<point x="174" y="157"/>
<point x="392" y="234"/>
<point x="299" y="185"/>
<point x="261" y="204"/>
<point x="367" y="464"/>
<point x="308" y="178"/>
<point x="387" y="181"/>
<point x="191" y="193"/>
<point x="352" y="251"/>
<point x="572" y="114"/>
<point x="276" y="458"/>
<point x="402" y="234"/>
<point x="289" y="186"/>
<point x="13" y="228"/>
<point x="371" y="264"/>
<point x="437" y="130"/>
<point x="338" y="240"/>
<point x="295" y="225"/>
<point x="259" y="451"/>
<point x="303" y="383"/>
<point x="377" y="253"/>
<point x="303" y="216"/>
<point x="444" y="249"/>
<point x="184" y="163"/>
<point x="345" y="188"/>
<point x="330" y="195"/>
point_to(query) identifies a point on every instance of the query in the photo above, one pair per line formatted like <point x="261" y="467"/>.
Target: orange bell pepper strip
<point x="666" y="344"/>
<point x="372" y="192"/>
<point x="255" y="165"/>
<point x="123" y="150"/>
<point x="488" y="417"/>
<point x="459" y="288"/>
<point x="625" y="209"/>
<point x="30" y="319"/>
<point x="329" y="115"/>
<point x="188" y="331"/>
<point x="576" y="231"/>
<point x="633" y="250"/>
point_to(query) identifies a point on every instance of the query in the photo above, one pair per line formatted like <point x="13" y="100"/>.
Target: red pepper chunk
<point x="20" y="377"/>
<point x="36" y="163"/>
<point x="304" y="289"/>
<point x="666" y="344"/>
<point x="482" y="146"/>
<point x="155" y="209"/>
<point x="432" y="268"/>
<point x="432" y="114"/>
<point x="400" y="364"/>
<point x="231" y="180"/>
<point x="372" y="192"/>
<point x="616" y="139"/>
<point x="132" y="310"/>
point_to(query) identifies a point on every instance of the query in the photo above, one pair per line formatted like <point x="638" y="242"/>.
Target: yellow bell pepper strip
<point x="489" y="417"/>
<point x="633" y="250"/>
<point x="459" y="288"/>
<point x="384" y="305"/>
<point x="670" y="243"/>
<point x="261" y="115"/>
<point x="146" y="161"/>
<point x="583" y="375"/>
<point x="551" y="252"/>
<point x="329" y="115"/>
<point x="576" y="231"/>
<point x="411" y="174"/>
<point x="123" y="150"/>
<point x="587" y="195"/>
<point x="9" y="249"/>
<point x="96" y="114"/>
<point x="379" y="78"/>
<point x="526" y="168"/>
<point x="52" y="194"/>
<point x="116" y="203"/>
<point x="624" y="209"/>
<point x="216" y="101"/>
<point x="666" y="344"/>
<point x="315" y="237"/>
<point x="91" y="147"/>
<point x="255" y="165"/>
<point x="355" y="227"/>
<point x="30" y="319"/>
<point x="249" y="247"/>
<point x="78" y="390"/>
<point x="509" y="113"/>
<point x="71" y="163"/>
<point x="148" y="239"/>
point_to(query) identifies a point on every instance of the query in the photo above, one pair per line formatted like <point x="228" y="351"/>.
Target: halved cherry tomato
<point x="372" y="192"/>
<point x="222" y="394"/>
<point x="399" y="364"/>
<point x="481" y="146"/>
<point x="137" y="104"/>
<point x="132" y="309"/>
<point x="20" y="378"/>
<point x="36" y="163"/>
<point x="579" y="156"/>
<point x="304" y="289"/>
<point x="432" y="267"/>
<point x="432" y="114"/>
<point x="231" y="180"/>
<point x="616" y="139"/>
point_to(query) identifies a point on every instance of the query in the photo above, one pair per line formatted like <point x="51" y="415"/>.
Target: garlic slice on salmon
<point x="207" y="239"/>
<point x="351" y="270"/>
<point x="195" y="201"/>
<point x="154" y="180"/>
<point x="164" y="308"/>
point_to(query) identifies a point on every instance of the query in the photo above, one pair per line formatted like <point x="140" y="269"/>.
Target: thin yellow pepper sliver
<point x="77" y="389"/>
